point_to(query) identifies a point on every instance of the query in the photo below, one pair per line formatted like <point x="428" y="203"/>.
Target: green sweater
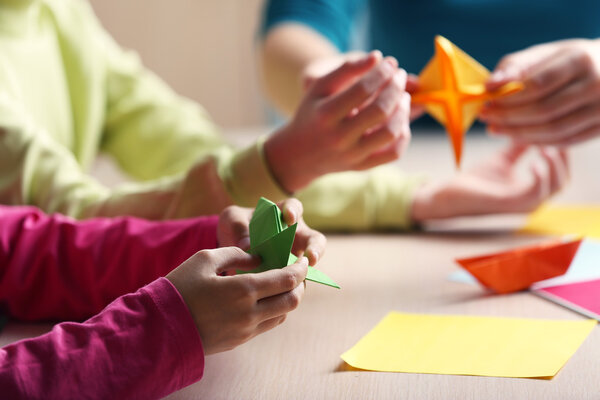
<point x="68" y="91"/>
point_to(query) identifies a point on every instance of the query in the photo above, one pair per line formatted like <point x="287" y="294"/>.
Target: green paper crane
<point x="272" y="240"/>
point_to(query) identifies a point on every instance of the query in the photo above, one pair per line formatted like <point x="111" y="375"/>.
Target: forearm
<point x="286" y="51"/>
<point x="143" y="345"/>
<point x="79" y="267"/>
<point x="378" y="199"/>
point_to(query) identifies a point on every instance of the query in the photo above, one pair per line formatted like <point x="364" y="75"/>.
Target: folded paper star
<point x="272" y="240"/>
<point x="452" y="89"/>
<point x="517" y="269"/>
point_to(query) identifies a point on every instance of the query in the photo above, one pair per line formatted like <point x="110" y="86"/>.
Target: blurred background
<point x="203" y="49"/>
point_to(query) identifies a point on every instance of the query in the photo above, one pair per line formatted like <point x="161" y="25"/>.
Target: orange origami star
<point x="517" y="269"/>
<point x="452" y="88"/>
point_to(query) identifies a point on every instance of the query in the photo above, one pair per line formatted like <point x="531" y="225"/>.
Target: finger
<point x="547" y="77"/>
<point x="540" y="190"/>
<point x="390" y="154"/>
<point x="556" y="164"/>
<point x="583" y="136"/>
<point x="501" y="77"/>
<point x="513" y="153"/>
<point x="309" y="243"/>
<point x="383" y="136"/>
<point x="555" y="131"/>
<point x="341" y="104"/>
<point x="281" y="304"/>
<point x="575" y="95"/>
<point x="554" y="177"/>
<point x="269" y="324"/>
<point x="237" y="219"/>
<point x="277" y="281"/>
<point x="291" y="210"/>
<point x="224" y="259"/>
<point x="412" y="83"/>
<point x="416" y="110"/>
<point x="377" y="112"/>
<point x="339" y="77"/>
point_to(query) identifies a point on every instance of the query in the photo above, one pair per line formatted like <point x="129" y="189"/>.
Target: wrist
<point x="430" y="201"/>
<point x="283" y="162"/>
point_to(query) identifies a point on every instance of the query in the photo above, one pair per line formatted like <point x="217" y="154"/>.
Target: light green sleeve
<point x="377" y="199"/>
<point x="153" y="133"/>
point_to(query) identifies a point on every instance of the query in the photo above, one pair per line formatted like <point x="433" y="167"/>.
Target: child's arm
<point x="52" y="267"/>
<point x="148" y="344"/>
<point x="143" y="345"/>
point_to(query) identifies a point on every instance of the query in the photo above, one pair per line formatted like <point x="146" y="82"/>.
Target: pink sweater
<point x="142" y="345"/>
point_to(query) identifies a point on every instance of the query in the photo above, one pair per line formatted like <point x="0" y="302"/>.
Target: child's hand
<point x="353" y="118"/>
<point x="230" y="310"/>
<point x="233" y="230"/>
<point x="493" y="187"/>
<point x="560" y="103"/>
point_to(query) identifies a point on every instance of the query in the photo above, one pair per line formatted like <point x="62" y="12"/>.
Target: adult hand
<point x="494" y="187"/>
<point x="560" y="103"/>
<point x="230" y="310"/>
<point x="354" y="118"/>
<point x="233" y="230"/>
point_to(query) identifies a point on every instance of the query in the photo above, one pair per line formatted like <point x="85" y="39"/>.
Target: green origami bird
<point x="272" y="240"/>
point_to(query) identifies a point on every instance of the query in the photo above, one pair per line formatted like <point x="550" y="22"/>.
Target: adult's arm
<point x="143" y="345"/>
<point x="53" y="267"/>
<point x="298" y="33"/>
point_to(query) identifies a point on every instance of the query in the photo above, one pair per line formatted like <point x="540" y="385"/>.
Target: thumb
<point x="341" y="76"/>
<point x="412" y="83"/>
<point x="232" y="258"/>
<point x="501" y="76"/>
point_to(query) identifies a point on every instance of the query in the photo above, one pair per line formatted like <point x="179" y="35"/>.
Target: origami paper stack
<point x="452" y="89"/>
<point x="517" y="269"/>
<point x="272" y="240"/>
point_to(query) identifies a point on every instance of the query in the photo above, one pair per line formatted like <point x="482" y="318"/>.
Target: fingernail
<point x="388" y="67"/>
<point x="375" y="53"/>
<point x="304" y="260"/>
<point x="392" y="61"/>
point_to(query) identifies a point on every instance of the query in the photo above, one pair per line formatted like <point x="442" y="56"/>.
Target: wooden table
<point x="405" y="272"/>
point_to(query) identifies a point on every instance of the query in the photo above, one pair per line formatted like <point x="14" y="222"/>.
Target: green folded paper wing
<point x="272" y="240"/>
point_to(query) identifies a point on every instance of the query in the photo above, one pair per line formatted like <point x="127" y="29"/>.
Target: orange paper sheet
<point x="517" y="269"/>
<point x="452" y="89"/>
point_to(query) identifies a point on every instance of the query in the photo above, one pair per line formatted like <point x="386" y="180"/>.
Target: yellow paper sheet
<point x="580" y="220"/>
<point x="467" y="345"/>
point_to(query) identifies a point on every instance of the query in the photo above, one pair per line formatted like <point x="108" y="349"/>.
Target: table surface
<point x="379" y="273"/>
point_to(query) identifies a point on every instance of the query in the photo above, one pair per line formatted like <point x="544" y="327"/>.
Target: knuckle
<point x="205" y="256"/>
<point x="388" y="134"/>
<point x="323" y="113"/>
<point x="246" y="289"/>
<point x="293" y="301"/>
<point x="250" y="320"/>
<point x="506" y="61"/>
<point x="336" y="142"/>
<point x="289" y="281"/>
<point x="362" y="88"/>
<point x="380" y="109"/>
<point x="583" y="59"/>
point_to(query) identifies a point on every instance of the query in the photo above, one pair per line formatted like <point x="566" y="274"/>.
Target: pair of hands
<point x="559" y="106"/>
<point x="349" y="121"/>
<point x="230" y="309"/>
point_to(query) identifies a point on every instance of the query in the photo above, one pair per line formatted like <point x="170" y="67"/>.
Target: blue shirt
<point x="485" y="29"/>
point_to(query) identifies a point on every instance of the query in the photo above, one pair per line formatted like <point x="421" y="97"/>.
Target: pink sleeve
<point x="143" y="345"/>
<point x="53" y="267"/>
